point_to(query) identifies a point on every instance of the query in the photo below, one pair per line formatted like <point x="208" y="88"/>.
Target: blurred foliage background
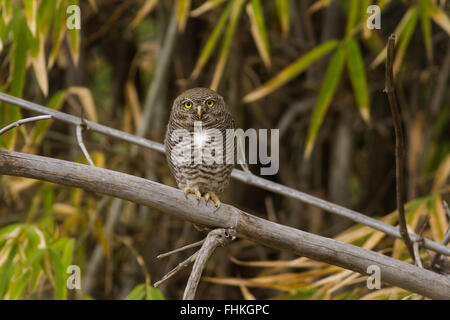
<point x="311" y="68"/>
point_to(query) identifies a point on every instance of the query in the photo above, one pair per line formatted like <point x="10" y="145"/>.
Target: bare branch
<point x="82" y="147"/>
<point x="399" y="144"/>
<point x="189" y="246"/>
<point x="180" y="266"/>
<point x="22" y="121"/>
<point x="215" y="238"/>
<point x="173" y="201"/>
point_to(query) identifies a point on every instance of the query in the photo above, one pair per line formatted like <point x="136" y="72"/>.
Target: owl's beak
<point x="199" y="113"/>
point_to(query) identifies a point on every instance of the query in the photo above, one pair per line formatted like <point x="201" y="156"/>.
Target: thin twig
<point x="214" y="239"/>
<point x="192" y="245"/>
<point x="236" y="174"/>
<point x="416" y="246"/>
<point x="22" y="121"/>
<point x="399" y="144"/>
<point x="82" y="146"/>
<point x="446" y="238"/>
<point x="181" y="265"/>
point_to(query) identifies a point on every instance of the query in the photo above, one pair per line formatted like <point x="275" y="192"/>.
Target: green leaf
<point x="138" y="293"/>
<point x="30" y="13"/>
<point x="153" y="294"/>
<point x="292" y="71"/>
<point x="183" y="8"/>
<point x="352" y="17"/>
<point x="224" y="50"/>
<point x="67" y="256"/>
<point x="6" y="271"/>
<point x="258" y="29"/>
<point x="358" y="78"/>
<point x="45" y="15"/>
<point x="60" y="283"/>
<point x="405" y="38"/>
<point x="399" y="30"/>
<point x="60" y="17"/>
<point x="18" y="286"/>
<point x="284" y="15"/>
<point x="426" y="27"/>
<point x="441" y="18"/>
<point x="327" y="91"/>
<point x="19" y="58"/>
<point x="211" y="42"/>
<point x="74" y="37"/>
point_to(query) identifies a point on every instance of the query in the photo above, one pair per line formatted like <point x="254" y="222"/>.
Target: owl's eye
<point x="210" y="103"/>
<point x="188" y="104"/>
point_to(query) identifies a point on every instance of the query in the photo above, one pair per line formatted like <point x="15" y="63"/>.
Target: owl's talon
<point x="215" y="199"/>
<point x="207" y="196"/>
<point x="193" y="191"/>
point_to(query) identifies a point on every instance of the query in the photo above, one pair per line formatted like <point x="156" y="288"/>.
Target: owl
<point x="197" y="148"/>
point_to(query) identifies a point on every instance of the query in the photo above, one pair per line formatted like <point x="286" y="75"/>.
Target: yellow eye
<point x="210" y="103"/>
<point x="188" y="104"/>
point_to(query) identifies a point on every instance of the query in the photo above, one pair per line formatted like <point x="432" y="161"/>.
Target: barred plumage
<point x="184" y="142"/>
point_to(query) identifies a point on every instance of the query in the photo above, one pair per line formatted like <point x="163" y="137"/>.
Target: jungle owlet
<point x="196" y="143"/>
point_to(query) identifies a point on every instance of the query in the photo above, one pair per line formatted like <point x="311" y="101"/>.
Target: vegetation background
<point x="311" y="68"/>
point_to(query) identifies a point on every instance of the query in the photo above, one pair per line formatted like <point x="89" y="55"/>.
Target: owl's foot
<point x="213" y="197"/>
<point x="193" y="191"/>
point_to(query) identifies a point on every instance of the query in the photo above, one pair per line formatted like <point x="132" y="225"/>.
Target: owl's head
<point x="198" y="104"/>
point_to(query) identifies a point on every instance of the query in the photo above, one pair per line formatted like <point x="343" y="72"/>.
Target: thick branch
<point x="236" y="174"/>
<point x="215" y="238"/>
<point x="173" y="201"/>
<point x="399" y="144"/>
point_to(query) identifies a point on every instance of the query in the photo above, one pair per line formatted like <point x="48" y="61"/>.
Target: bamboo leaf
<point x="327" y="91"/>
<point x="40" y="68"/>
<point x="7" y="271"/>
<point x="183" y="8"/>
<point x="258" y="29"/>
<point x="225" y="49"/>
<point x="58" y="33"/>
<point x="68" y="253"/>
<point x="352" y="17"/>
<point x="74" y="38"/>
<point x="138" y="293"/>
<point x="426" y="27"/>
<point x="284" y="15"/>
<point x="45" y="15"/>
<point x="205" y="7"/>
<point x="358" y="78"/>
<point x="441" y="18"/>
<point x="211" y="42"/>
<point x="291" y="71"/>
<point x="19" y="68"/>
<point x="19" y="58"/>
<point x="31" y="13"/>
<point x="398" y="32"/>
<point x="153" y="294"/>
<point x="60" y="284"/>
<point x="18" y="286"/>
<point x="404" y="40"/>
<point x="148" y="6"/>
<point x="7" y="11"/>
